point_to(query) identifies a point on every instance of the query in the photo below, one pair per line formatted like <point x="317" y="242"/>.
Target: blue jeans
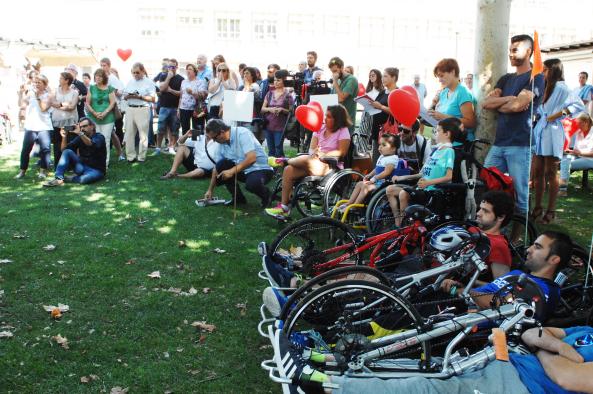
<point x="570" y="162"/>
<point x="168" y="118"/>
<point x="513" y="160"/>
<point x="43" y="138"/>
<point x="84" y="173"/>
<point x="274" y="141"/>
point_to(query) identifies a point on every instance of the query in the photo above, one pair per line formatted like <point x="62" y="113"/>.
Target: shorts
<point x="420" y="196"/>
<point x="190" y="165"/>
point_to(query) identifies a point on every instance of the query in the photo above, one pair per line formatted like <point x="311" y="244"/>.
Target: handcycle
<point x="407" y="351"/>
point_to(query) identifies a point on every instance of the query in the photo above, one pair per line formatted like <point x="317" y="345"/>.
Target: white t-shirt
<point x="384" y="161"/>
<point x="201" y="159"/>
<point x="582" y="143"/>
<point x="35" y="119"/>
<point x="409" y="151"/>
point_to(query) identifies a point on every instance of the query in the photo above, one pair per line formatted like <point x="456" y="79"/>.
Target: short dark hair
<point x="242" y="66"/>
<point x="586" y="74"/>
<point x="86" y="75"/>
<point x="91" y="122"/>
<point x="281" y="74"/>
<point x="251" y="72"/>
<point x="67" y="76"/>
<point x="216" y="126"/>
<point x="340" y="115"/>
<point x="392" y="140"/>
<point x="561" y="247"/>
<point x="174" y="61"/>
<point x="523" y="38"/>
<point x="106" y="61"/>
<point x="312" y="53"/>
<point x="502" y="204"/>
<point x="392" y="71"/>
<point x="447" y="65"/>
<point x="335" y="61"/>
<point x="453" y="126"/>
<point x="274" y="66"/>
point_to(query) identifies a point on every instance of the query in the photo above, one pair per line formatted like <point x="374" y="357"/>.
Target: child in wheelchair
<point x="438" y="170"/>
<point x="386" y="164"/>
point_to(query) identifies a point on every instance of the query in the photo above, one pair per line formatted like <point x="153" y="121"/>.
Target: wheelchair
<point x="316" y="195"/>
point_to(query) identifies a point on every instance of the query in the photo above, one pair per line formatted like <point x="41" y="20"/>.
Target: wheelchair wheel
<point x="312" y="242"/>
<point x="339" y="187"/>
<point x="345" y="314"/>
<point x="515" y="232"/>
<point x="357" y="272"/>
<point x="308" y="199"/>
<point x="378" y="216"/>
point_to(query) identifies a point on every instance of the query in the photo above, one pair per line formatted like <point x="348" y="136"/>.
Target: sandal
<point x="549" y="217"/>
<point x="536" y="214"/>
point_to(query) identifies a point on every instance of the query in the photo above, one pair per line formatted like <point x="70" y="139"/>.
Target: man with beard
<point x="311" y="67"/>
<point x="512" y="97"/>
<point x="269" y="81"/>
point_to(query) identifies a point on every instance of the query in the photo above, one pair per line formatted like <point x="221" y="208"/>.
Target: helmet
<point x="448" y="237"/>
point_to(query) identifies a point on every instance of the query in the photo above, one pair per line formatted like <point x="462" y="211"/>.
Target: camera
<point x="69" y="129"/>
<point x="295" y="81"/>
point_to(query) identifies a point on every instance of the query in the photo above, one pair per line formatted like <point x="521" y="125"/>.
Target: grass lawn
<point x="124" y="328"/>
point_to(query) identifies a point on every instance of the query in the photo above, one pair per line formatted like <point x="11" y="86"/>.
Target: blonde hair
<point x="584" y="117"/>
<point x="43" y="79"/>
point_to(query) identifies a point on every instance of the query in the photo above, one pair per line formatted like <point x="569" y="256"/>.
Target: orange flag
<point x="538" y="66"/>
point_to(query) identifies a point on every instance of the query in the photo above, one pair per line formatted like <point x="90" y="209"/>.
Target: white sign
<point x="325" y="100"/>
<point x="237" y="106"/>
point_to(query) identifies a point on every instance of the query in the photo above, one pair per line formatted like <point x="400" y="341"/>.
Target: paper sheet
<point x="237" y="106"/>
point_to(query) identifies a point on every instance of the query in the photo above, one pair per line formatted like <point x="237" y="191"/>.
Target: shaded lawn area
<point x="124" y="327"/>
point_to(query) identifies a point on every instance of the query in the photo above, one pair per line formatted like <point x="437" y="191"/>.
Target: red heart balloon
<point x="411" y="90"/>
<point x="317" y="105"/>
<point x="310" y="116"/>
<point x="404" y="106"/>
<point x="361" y="89"/>
<point x="571" y="126"/>
<point x="124" y="54"/>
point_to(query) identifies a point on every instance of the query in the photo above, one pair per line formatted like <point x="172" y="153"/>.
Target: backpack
<point x="402" y="168"/>
<point x="497" y="180"/>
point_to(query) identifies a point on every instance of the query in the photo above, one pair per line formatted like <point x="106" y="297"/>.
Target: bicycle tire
<point x="338" y="309"/>
<point x="307" y="239"/>
<point x="323" y="279"/>
<point x="515" y="231"/>
<point x="378" y="215"/>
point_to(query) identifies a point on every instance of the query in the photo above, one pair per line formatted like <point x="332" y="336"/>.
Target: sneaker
<point x="122" y="158"/>
<point x="277" y="161"/>
<point x="171" y="151"/>
<point x="277" y="212"/>
<point x="278" y="276"/>
<point x="54" y="182"/>
<point x="42" y="175"/>
<point x="274" y="300"/>
<point x="157" y="151"/>
<point x="292" y="365"/>
<point x="20" y="175"/>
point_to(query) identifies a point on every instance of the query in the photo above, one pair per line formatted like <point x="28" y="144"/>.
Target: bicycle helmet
<point x="448" y="237"/>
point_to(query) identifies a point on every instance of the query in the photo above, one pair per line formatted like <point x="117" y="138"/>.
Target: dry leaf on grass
<point x="155" y="275"/>
<point x="204" y="326"/>
<point x="87" y="379"/>
<point x="62" y="341"/>
<point x="118" y="390"/>
<point x="6" y="334"/>
<point x="202" y="338"/>
<point x="49" y="248"/>
<point x="20" y="236"/>
<point x="219" y="251"/>
<point x="181" y="244"/>
<point x="242" y="307"/>
<point x="61" y="307"/>
<point x="5" y="261"/>
<point x="131" y="261"/>
<point x="206" y="290"/>
<point x="296" y="251"/>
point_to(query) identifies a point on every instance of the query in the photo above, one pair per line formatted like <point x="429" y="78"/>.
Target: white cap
<point x="72" y="67"/>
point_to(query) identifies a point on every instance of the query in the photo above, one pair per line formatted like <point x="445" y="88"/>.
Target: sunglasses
<point x="223" y="69"/>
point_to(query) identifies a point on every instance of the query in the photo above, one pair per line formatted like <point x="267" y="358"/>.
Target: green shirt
<point x="440" y="161"/>
<point x="349" y="85"/>
<point x="100" y="102"/>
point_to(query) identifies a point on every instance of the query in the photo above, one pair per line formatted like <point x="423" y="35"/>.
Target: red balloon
<point x="361" y="89"/>
<point x="571" y="126"/>
<point x="124" y="54"/>
<point x="317" y="105"/>
<point x="411" y="90"/>
<point x="310" y="116"/>
<point x="404" y="106"/>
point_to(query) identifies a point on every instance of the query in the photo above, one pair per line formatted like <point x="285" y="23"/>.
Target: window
<point x="301" y="25"/>
<point x="264" y="29"/>
<point x="336" y="25"/>
<point x="371" y="32"/>
<point x="228" y="28"/>
<point x="151" y="22"/>
<point x="189" y="19"/>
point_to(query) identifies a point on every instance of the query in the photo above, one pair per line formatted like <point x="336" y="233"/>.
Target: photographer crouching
<point x="85" y="155"/>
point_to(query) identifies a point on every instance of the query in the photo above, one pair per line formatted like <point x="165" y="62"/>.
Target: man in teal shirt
<point x="345" y="86"/>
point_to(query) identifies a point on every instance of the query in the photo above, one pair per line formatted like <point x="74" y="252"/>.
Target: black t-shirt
<point x="168" y="99"/>
<point x="94" y="155"/>
<point x="380" y="118"/>
<point x="82" y="91"/>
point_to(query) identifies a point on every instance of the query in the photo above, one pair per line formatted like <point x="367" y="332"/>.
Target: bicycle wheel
<point x="312" y="243"/>
<point x="378" y="216"/>
<point x="348" y="314"/>
<point x="359" y="272"/>
<point x="339" y="187"/>
<point x="308" y="199"/>
<point x="515" y="232"/>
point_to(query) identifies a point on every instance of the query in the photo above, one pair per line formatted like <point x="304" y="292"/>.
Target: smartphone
<point x="194" y="135"/>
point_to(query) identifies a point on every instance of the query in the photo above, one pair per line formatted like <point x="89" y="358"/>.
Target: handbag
<point x="389" y="127"/>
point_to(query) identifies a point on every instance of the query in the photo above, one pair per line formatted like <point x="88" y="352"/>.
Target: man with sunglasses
<point x="170" y="88"/>
<point x="85" y="155"/>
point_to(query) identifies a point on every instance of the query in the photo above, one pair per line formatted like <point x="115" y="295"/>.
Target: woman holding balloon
<point x="332" y="140"/>
<point x="455" y="100"/>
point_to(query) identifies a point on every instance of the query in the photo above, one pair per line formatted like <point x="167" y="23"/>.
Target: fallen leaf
<point x="179" y="349"/>
<point x="174" y="290"/>
<point x="49" y="248"/>
<point x="131" y="261"/>
<point x="62" y="341"/>
<point x="166" y="355"/>
<point x="5" y="261"/>
<point x="192" y="291"/>
<point x="142" y="221"/>
<point x="202" y="338"/>
<point x="87" y="379"/>
<point x="220" y="251"/>
<point x="194" y="371"/>
<point x="296" y="251"/>
<point x="155" y="275"/>
<point x="242" y="308"/>
<point x="181" y="244"/>
<point x="6" y="334"/>
<point x="204" y="326"/>
<point x="61" y="307"/>
<point x="206" y="290"/>
<point x="61" y="262"/>
<point x="19" y="236"/>
<point x="106" y="234"/>
<point x="118" y="390"/>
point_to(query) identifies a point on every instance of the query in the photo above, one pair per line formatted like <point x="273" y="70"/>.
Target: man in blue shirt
<point x="311" y="67"/>
<point x="242" y="157"/>
<point x="512" y="98"/>
<point x="585" y="91"/>
<point x="204" y="71"/>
